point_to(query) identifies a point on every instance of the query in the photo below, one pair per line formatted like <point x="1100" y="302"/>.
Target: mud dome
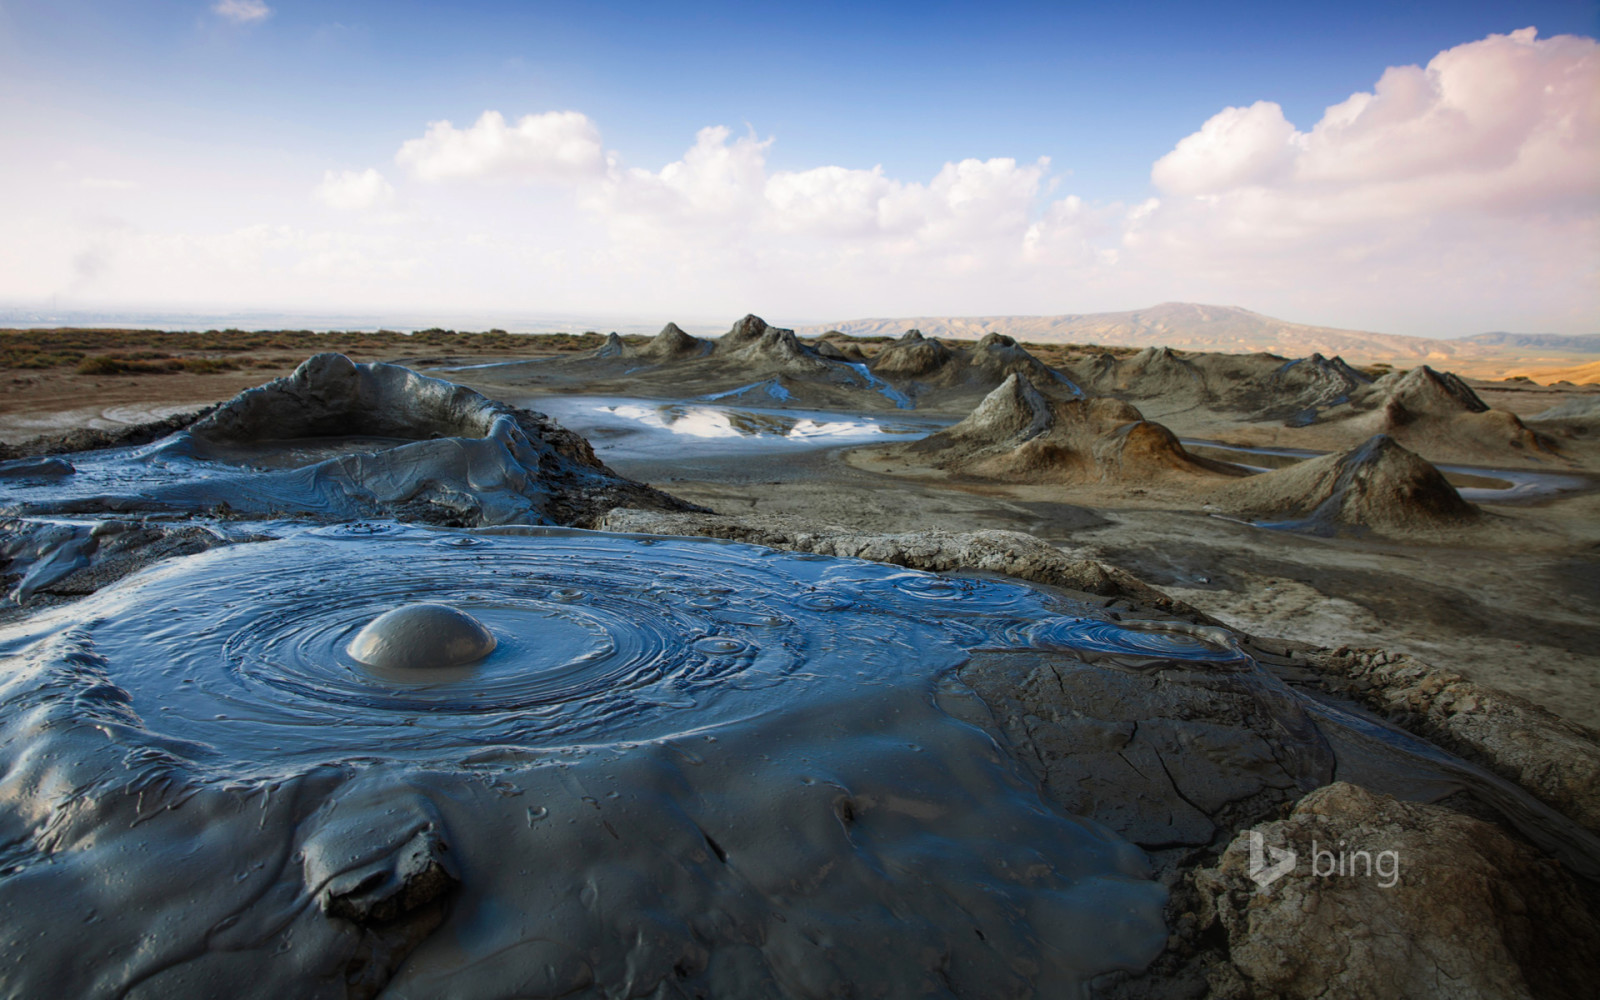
<point x="687" y="768"/>
<point x="336" y="441"/>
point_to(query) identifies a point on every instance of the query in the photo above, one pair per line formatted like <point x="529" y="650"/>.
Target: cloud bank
<point x="1454" y="197"/>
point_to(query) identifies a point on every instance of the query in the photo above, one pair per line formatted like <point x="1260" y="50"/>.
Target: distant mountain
<point x="1577" y="343"/>
<point x="1192" y="327"/>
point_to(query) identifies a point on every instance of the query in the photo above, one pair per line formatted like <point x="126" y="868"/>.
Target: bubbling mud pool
<point x="707" y="765"/>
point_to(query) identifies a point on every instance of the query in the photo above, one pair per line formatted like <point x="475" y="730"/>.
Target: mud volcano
<point x="1018" y="434"/>
<point x="686" y="768"/>
<point x="339" y="440"/>
<point x="1376" y="484"/>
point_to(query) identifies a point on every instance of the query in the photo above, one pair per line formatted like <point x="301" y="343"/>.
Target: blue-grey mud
<point x="684" y="761"/>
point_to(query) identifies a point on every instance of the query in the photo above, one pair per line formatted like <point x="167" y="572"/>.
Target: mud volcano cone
<point x="1019" y="434"/>
<point x="1377" y="484"/>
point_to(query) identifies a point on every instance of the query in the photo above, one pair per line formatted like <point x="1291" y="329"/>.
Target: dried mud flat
<point x="735" y="777"/>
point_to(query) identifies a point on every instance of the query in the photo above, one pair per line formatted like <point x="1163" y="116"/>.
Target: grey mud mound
<point x="1017" y="434"/>
<point x="921" y="366"/>
<point x="1153" y="372"/>
<point x="338" y="440"/>
<point x="1262" y="387"/>
<point x="1438" y="416"/>
<point x="753" y="362"/>
<point x="1454" y="910"/>
<point x="721" y="771"/>
<point x="1376" y="484"/>
<point x="672" y="344"/>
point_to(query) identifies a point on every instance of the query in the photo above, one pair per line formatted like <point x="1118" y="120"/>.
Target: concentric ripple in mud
<point x="599" y="639"/>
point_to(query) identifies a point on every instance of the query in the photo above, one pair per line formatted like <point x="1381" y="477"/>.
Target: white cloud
<point x="1456" y="187"/>
<point x="556" y="145"/>
<point x="1458" y="196"/>
<point x="242" y="11"/>
<point x="1503" y="123"/>
<point x="354" y="191"/>
<point x="1238" y="147"/>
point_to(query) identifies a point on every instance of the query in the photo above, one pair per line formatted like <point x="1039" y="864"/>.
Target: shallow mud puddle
<point x="626" y="428"/>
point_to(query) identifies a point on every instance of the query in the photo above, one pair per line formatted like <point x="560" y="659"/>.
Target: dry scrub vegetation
<point x="156" y="352"/>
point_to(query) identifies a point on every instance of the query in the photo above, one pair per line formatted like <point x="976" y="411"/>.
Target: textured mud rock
<point x="1261" y="386"/>
<point x="69" y="559"/>
<point x="840" y="349"/>
<point x="1291" y="391"/>
<point x="912" y="356"/>
<point x="919" y="364"/>
<point x="1165" y="755"/>
<point x="612" y="348"/>
<point x="1012" y="553"/>
<point x="1556" y="760"/>
<point x="1153" y="372"/>
<point x="752" y="340"/>
<point x="672" y="344"/>
<point x="1376" y="484"/>
<point x="1470" y="913"/>
<point x="1020" y="435"/>
<point x="1437" y="415"/>
<point x="469" y="460"/>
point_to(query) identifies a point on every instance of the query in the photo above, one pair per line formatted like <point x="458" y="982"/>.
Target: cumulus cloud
<point x="242" y="11"/>
<point x="1474" y="179"/>
<point x="1502" y="123"/>
<point x="354" y="190"/>
<point x="556" y="145"/>
<point x="1455" y="196"/>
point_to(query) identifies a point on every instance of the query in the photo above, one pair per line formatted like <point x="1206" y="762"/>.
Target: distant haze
<point x="1231" y="329"/>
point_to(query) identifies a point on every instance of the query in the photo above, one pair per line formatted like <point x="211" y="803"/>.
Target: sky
<point x="1424" y="168"/>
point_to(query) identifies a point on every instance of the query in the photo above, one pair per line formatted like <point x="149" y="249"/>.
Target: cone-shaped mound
<point x="1299" y="389"/>
<point x="912" y="356"/>
<point x="331" y="395"/>
<point x="612" y="348"/>
<point x="1437" y="414"/>
<point x="672" y="344"/>
<point x="1425" y="392"/>
<point x="753" y="341"/>
<point x="1377" y="484"/>
<point x="1020" y="435"/>
<point x="1153" y="372"/>
<point x="743" y="333"/>
<point x="338" y="440"/>
<point x="919" y="362"/>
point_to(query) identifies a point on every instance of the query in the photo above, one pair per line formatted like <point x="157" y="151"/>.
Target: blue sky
<point x="145" y="128"/>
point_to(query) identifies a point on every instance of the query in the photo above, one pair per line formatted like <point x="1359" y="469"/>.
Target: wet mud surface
<point x="643" y="765"/>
